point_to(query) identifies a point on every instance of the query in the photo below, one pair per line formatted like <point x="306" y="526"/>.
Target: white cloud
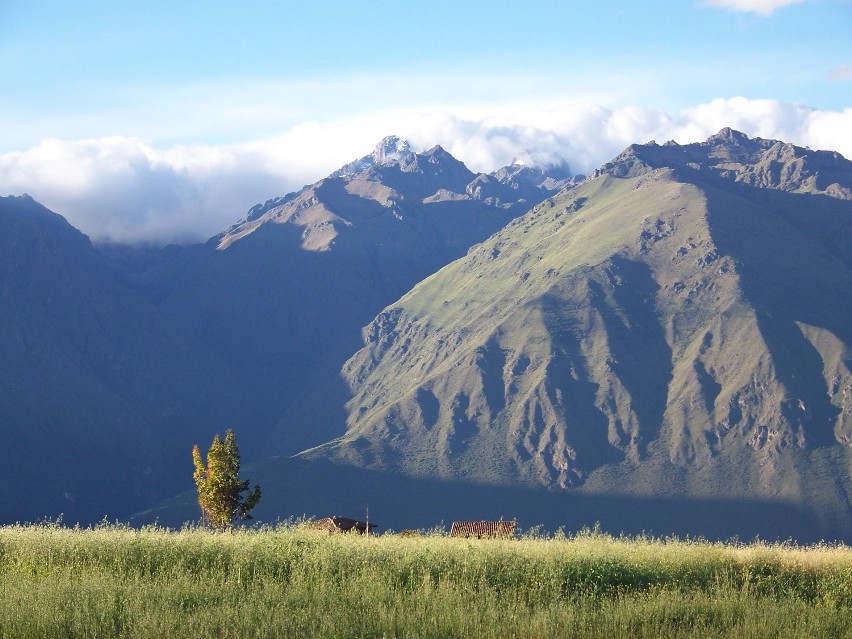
<point x="587" y="135"/>
<point x="126" y="189"/>
<point x="760" y="7"/>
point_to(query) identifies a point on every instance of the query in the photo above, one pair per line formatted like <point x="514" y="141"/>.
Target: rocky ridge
<point x="393" y="174"/>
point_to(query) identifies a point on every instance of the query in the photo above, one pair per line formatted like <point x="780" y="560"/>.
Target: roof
<point x="484" y="529"/>
<point x="340" y="524"/>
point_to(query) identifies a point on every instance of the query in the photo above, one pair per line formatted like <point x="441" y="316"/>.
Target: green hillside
<point x="677" y="326"/>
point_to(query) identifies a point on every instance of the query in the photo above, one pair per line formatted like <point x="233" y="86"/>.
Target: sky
<point x="156" y="122"/>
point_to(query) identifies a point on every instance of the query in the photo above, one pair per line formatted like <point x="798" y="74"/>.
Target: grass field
<point x="112" y="581"/>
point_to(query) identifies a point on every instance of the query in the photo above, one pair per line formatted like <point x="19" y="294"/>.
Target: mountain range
<point x="662" y="346"/>
<point x="115" y="360"/>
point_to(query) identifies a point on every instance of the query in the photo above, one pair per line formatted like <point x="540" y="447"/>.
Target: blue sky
<point x="164" y="121"/>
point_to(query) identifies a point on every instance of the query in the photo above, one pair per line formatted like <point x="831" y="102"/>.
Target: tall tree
<point x="220" y="489"/>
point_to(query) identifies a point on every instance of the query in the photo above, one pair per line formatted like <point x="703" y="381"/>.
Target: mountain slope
<point x="283" y="294"/>
<point x="97" y="389"/>
<point x="676" y="325"/>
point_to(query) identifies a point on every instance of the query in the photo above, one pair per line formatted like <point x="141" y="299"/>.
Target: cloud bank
<point x="126" y="190"/>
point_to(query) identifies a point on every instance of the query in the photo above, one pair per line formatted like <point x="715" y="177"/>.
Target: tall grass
<point x="113" y="581"/>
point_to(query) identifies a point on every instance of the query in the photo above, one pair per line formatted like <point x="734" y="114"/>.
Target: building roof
<point x="340" y="524"/>
<point x="484" y="529"/>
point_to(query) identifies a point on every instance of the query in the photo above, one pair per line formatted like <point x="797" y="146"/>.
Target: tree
<point x="220" y="489"/>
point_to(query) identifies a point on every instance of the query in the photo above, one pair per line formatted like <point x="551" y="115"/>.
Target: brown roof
<point x="339" y="524"/>
<point x="484" y="529"/>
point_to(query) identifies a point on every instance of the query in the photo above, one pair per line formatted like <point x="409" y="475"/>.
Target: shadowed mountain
<point x="676" y="326"/>
<point x="97" y="388"/>
<point x="114" y="361"/>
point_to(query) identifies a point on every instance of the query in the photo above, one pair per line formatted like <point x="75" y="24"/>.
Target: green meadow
<point x="113" y="581"/>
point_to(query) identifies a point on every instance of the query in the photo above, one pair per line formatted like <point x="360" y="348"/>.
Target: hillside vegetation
<point x="677" y="325"/>
<point x="289" y="582"/>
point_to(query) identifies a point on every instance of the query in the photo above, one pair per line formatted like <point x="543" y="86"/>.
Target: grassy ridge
<point x="286" y="582"/>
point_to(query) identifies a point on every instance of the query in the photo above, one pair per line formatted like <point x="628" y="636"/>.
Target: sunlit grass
<point x="113" y="581"/>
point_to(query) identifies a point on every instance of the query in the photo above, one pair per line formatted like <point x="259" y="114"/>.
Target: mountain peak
<point x="21" y="214"/>
<point x="729" y="135"/>
<point x="391" y="149"/>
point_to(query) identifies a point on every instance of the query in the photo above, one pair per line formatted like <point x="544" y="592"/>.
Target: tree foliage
<point x="220" y="489"/>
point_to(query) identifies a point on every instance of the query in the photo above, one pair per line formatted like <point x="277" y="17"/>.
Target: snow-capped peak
<point x="391" y="149"/>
